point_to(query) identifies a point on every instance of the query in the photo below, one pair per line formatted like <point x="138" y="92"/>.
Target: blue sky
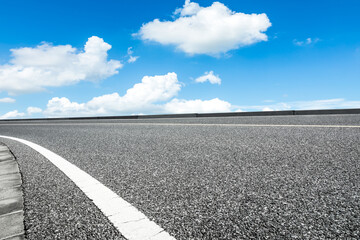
<point x="200" y="56"/>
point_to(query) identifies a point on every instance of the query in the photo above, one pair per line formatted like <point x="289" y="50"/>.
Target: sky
<point x="116" y="57"/>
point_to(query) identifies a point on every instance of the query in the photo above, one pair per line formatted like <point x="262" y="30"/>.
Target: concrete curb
<point x="199" y="115"/>
<point x="11" y="197"/>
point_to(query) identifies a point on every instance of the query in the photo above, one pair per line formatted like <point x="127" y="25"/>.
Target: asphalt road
<point x="208" y="178"/>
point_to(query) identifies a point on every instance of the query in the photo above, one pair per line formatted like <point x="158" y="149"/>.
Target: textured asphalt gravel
<point x="199" y="182"/>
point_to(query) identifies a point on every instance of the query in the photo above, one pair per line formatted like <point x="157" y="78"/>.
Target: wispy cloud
<point x="7" y="100"/>
<point x="210" y="77"/>
<point x="308" y="41"/>
<point x="132" y="58"/>
<point x="337" y="103"/>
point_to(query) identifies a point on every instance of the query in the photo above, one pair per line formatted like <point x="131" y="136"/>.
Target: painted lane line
<point x="184" y="124"/>
<point x="130" y="222"/>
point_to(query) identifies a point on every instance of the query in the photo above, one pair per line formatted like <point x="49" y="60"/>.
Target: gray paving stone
<point x="10" y="205"/>
<point x="6" y="158"/>
<point x="3" y="148"/>
<point x="10" y="176"/>
<point x="8" y="167"/>
<point x="17" y="237"/>
<point x="10" y="180"/>
<point x="11" y="197"/>
<point x="6" y="161"/>
<point x="10" y="161"/>
<point x="11" y="224"/>
<point x="10" y="192"/>
<point x="4" y="152"/>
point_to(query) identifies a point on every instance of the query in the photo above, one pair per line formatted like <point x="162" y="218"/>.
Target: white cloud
<point x="12" y="114"/>
<point x="189" y="8"/>
<point x="132" y="58"/>
<point x="130" y="51"/>
<point x="207" y="30"/>
<point x="7" y="100"/>
<point x="197" y="106"/>
<point x="140" y="98"/>
<point x="148" y="97"/>
<point x="308" y="41"/>
<point x="209" y="76"/>
<point x="34" y="69"/>
<point x="267" y="109"/>
<point x="64" y="107"/>
<point x="32" y="110"/>
<point x="152" y="89"/>
<point x="337" y="103"/>
<point x="17" y="114"/>
<point x="326" y="104"/>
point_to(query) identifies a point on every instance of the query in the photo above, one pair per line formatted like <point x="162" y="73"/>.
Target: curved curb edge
<point x="11" y="197"/>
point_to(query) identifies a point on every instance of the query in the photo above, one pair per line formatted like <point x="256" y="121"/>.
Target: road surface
<point x="272" y="177"/>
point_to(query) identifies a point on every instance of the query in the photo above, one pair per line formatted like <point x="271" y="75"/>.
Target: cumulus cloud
<point x="34" y="69"/>
<point x="113" y="104"/>
<point x="207" y="30"/>
<point x="308" y="41"/>
<point x="7" y="100"/>
<point x="150" y="96"/>
<point x="17" y="114"/>
<point x="32" y="110"/>
<point x="189" y="8"/>
<point x="140" y="98"/>
<point x="152" y="89"/>
<point x="267" y="109"/>
<point x="12" y="114"/>
<point x="64" y="107"/>
<point x="209" y="76"/>
<point x="197" y="106"/>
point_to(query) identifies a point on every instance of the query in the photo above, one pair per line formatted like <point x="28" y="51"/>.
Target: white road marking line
<point x="130" y="222"/>
<point x="183" y="124"/>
